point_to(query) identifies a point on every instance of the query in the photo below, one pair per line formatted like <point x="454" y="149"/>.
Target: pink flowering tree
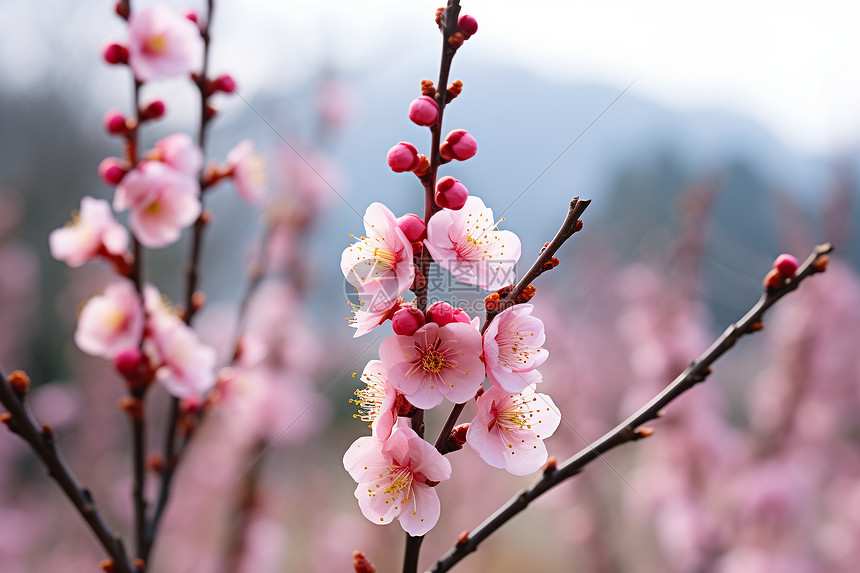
<point x="438" y="355"/>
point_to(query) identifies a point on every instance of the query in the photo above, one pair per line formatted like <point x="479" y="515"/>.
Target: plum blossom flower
<point x="468" y="244"/>
<point x="368" y="315"/>
<point x="178" y="151"/>
<point x="512" y="348"/>
<point x="377" y="402"/>
<point x="435" y="362"/>
<point x="249" y="171"/>
<point x="392" y="478"/>
<point x="162" y="44"/>
<point x="93" y="231"/>
<point x="111" y="322"/>
<point x="379" y="265"/>
<point x="509" y="430"/>
<point x="184" y="365"/>
<point x="162" y="200"/>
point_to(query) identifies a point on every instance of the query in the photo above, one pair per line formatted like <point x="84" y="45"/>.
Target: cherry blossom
<point x="512" y="348"/>
<point x="184" y="365"/>
<point x="379" y="265"/>
<point x="162" y="44"/>
<point x="367" y="315"/>
<point x="377" y="401"/>
<point x="509" y="430"/>
<point x="93" y="231"/>
<point x="435" y="362"/>
<point x="467" y="243"/>
<point x="249" y="171"/>
<point x="393" y="476"/>
<point x="162" y="200"/>
<point x="111" y="322"/>
<point x="178" y="151"/>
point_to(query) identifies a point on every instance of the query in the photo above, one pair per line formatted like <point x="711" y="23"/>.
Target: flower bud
<point x="443" y="313"/>
<point x="115" y="54"/>
<point x="451" y="193"/>
<point x="112" y="170"/>
<point x="224" y="83"/>
<point x="403" y="157"/>
<point x="114" y="122"/>
<point x="191" y="15"/>
<point x="786" y="264"/>
<point x="423" y="111"/>
<point x="154" y="110"/>
<point x="413" y="227"/>
<point x="407" y="320"/>
<point x="458" y="145"/>
<point x="468" y="25"/>
<point x="133" y="365"/>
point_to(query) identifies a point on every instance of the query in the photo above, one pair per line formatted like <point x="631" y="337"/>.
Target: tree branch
<point x="41" y="440"/>
<point x="627" y="431"/>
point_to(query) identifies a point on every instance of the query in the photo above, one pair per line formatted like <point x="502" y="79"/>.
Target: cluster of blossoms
<point x="440" y="353"/>
<point x="132" y="323"/>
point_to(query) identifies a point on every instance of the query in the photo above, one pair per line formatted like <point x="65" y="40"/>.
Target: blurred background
<point x="711" y="137"/>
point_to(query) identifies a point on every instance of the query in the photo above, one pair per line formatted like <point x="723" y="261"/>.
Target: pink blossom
<point x="377" y="401"/>
<point x="509" y="430"/>
<point x="435" y="362"/>
<point x="403" y="157"/>
<point x="162" y="200"/>
<point x="92" y="232"/>
<point x="451" y="193"/>
<point x="184" y="365"/>
<point x="367" y="315"/>
<point x="111" y="322"/>
<point x="407" y="320"/>
<point x="512" y="348"/>
<point x="392" y="478"/>
<point x="468" y="244"/>
<point x="178" y="151"/>
<point x="424" y="110"/>
<point x="249" y="171"/>
<point x="162" y="44"/>
<point x="379" y="265"/>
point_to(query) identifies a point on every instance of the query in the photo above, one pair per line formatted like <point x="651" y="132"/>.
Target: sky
<point x="794" y="66"/>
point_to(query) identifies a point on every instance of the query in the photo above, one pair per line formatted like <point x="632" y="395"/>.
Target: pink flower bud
<point x="458" y="145"/>
<point x="112" y="170"/>
<point x="407" y="320"/>
<point x="115" y="54"/>
<point x="191" y="15"/>
<point x="468" y="25"/>
<point x="413" y="227"/>
<point x="451" y="194"/>
<point x="154" y="110"/>
<point x="423" y="111"/>
<point x="130" y="363"/>
<point x="403" y="157"/>
<point x="114" y="122"/>
<point x="443" y="313"/>
<point x="786" y="264"/>
<point x="224" y="83"/>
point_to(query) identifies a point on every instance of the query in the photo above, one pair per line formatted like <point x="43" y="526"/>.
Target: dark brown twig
<point x="41" y="441"/>
<point x="628" y="430"/>
<point x="449" y="27"/>
<point x="171" y="454"/>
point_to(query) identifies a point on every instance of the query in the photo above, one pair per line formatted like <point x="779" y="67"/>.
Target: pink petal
<point x="420" y="517"/>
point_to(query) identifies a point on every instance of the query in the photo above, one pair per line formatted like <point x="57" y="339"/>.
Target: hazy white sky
<point x="793" y="65"/>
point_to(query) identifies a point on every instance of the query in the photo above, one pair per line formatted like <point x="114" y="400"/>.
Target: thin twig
<point x="171" y="454"/>
<point x="40" y="440"/>
<point x="450" y="17"/>
<point x="627" y="431"/>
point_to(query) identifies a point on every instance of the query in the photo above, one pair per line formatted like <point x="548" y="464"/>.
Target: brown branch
<point x="627" y="431"/>
<point x="41" y="440"/>
<point x="570" y="226"/>
<point x="171" y="454"/>
<point x="449" y="27"/>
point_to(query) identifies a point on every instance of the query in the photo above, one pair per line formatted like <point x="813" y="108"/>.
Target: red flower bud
<point x="424" y="111"/>
<point x="403" y="157"/>
<point x="458" y="145"/>
<point x="451" y="193"/>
